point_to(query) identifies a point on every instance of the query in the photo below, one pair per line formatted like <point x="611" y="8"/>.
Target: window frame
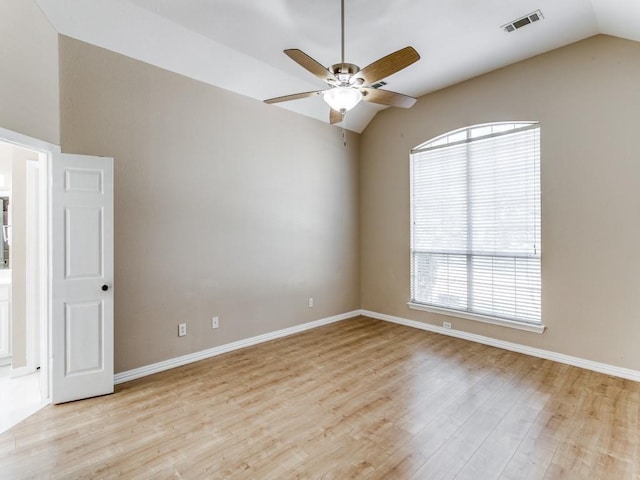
<point x="449" y="139"/>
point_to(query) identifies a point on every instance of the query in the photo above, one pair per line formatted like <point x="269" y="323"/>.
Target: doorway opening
<point x="24" y="267"/>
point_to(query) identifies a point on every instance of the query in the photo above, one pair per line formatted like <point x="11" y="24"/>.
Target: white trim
<point x="22" y="371"/>
<point x="527" y="327"/>
<point x="28" y="142"/>
<point x="229" y="347"/>
<point x="514" y="347"/>
<point x="44" y="254"/>
<point x="32" y="266"/>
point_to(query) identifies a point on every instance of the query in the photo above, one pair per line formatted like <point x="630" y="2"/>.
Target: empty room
<point x="319" y="240"/>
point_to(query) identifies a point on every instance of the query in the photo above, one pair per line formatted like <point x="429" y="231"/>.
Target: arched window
<point x="475" y="211"/>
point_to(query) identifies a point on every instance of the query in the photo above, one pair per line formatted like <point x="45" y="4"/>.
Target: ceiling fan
<point x="348" y="84"/>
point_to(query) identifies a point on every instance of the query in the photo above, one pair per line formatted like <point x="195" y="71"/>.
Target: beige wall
<point x="223" y="205"/>
<point x="228" y="207"/>
<point x="28" y="71"/>
<point x="29" y="104"/>
<point x="587" y="98"/>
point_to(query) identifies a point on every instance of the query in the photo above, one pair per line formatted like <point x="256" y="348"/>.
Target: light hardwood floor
<point x="358" y="399"/>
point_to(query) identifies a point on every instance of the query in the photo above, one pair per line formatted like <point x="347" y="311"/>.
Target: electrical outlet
<point x="182" y="329"/>
<point x="310" y="302"/>
<point x="446" y="324"/>
<point x="215" y="323"/>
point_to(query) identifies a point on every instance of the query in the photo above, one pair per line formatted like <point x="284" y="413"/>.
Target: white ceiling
<point x="238" y="44"/>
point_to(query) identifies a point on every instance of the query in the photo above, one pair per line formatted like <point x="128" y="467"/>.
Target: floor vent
<point x="521" y="22"/>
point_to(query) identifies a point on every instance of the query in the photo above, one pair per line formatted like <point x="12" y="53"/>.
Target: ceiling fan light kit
<point x="342" y="99"/>
<point x="348" y="84"/>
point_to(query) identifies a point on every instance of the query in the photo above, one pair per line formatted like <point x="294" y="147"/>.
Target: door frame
<point x="46" y="151"/>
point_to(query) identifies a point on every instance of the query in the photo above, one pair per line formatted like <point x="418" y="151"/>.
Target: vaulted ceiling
<point x="238" y="44"/>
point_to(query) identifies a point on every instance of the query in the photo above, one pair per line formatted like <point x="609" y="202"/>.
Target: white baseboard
<point x="21" y="371"/>
<point x="514" y="347"/>
<point x="229" y="347"/>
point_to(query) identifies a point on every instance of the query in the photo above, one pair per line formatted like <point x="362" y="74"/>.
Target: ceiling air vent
<point x="521" y="22"/>
<point x="379" y="84"/>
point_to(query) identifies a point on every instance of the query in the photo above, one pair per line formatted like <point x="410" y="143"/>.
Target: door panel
<point x="85" y="338"/>
<point x="82" y="261"/>
<point x="83" y="225"/>
<point x="83" y="180"/>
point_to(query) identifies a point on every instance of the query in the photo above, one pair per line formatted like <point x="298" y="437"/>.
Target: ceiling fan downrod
<point x="342" y="21"/>
<point x="344" y="71"/>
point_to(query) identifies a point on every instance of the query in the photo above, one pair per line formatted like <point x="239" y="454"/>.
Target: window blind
<point x="475" y="205"/>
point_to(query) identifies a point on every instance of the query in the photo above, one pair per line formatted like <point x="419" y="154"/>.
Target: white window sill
<point x="528" y="327"/>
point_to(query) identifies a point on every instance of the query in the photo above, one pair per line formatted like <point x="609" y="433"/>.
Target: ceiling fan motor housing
<point x="344" y="71"/>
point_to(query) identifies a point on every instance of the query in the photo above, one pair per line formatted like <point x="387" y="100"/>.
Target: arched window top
<point x="475" y="132"/>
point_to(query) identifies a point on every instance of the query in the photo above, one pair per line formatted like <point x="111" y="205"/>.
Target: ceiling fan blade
<point x="386" y="97"/>
<point x="295" y="96"/>
<point x="335" y="116"/>
<point x="386" y="66"/>
<point x="305" y="61"/>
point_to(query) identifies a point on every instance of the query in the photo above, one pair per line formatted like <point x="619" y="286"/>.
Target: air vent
<point x="378" y="85"/>
<point x="521" y="22"/>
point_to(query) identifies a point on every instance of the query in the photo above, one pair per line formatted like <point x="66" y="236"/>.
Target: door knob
<point x="105" y="287"/>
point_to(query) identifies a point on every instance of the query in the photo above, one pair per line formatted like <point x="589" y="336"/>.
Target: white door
<point x="82" y="277"/>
